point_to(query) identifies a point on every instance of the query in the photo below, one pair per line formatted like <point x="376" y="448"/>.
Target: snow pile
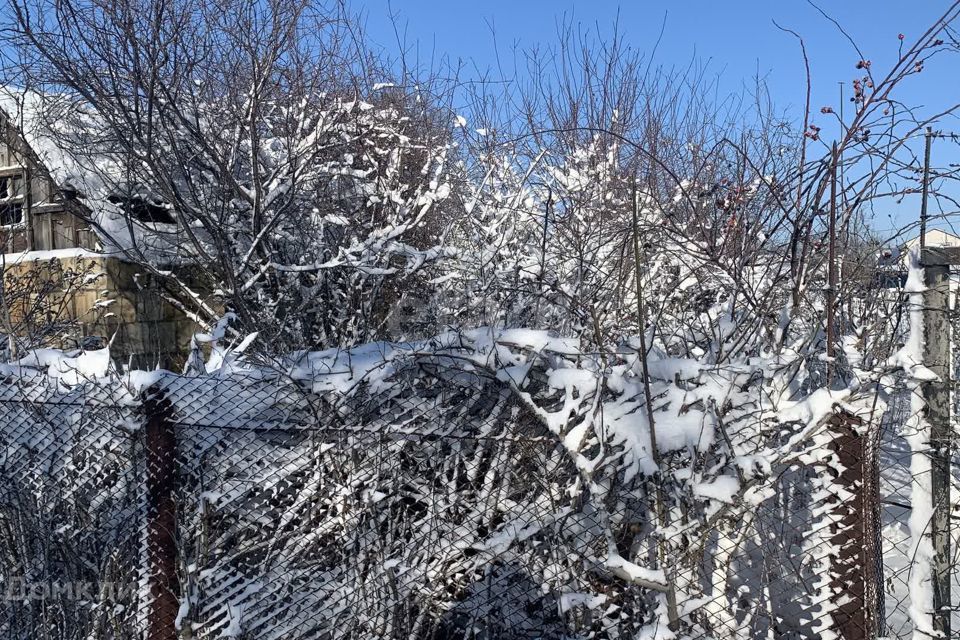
<point x="67" y="369"/>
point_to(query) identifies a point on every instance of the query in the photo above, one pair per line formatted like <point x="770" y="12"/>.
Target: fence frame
<point x="161" y="525"/>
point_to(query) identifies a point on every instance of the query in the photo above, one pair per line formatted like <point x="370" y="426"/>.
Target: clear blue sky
<point x="738" y="38"/>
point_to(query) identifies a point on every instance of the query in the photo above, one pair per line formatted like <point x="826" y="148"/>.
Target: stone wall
<point x="81" y="299"/>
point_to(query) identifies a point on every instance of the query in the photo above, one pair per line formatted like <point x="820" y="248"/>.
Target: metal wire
<point x="433" y="510"/>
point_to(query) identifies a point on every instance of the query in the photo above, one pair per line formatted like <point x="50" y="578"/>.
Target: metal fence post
<point x="852" y="529"/>
<point x="936" y="393"/>
<point x="161" y="543"/>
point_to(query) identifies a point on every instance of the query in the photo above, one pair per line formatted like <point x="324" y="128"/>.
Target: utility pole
<point x="832" y="266"/>
<point x="936" y="395"/>
<point x="936" y="262"/>
<point x="28" y="204"/>
<point x="843" y="132"/>
<point x="926" y="189"/>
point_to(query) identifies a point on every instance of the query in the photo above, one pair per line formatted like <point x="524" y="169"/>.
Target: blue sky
<point x="738" y="39"/>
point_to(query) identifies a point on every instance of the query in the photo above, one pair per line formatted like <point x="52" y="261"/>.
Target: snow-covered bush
<point x="257" y="163"/>
<point x="501" y="481"/>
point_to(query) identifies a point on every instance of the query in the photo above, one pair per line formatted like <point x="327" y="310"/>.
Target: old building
<point x="67" y="281"/>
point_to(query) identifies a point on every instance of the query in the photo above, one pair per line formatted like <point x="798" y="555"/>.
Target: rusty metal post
<point x="936" y="393"/>
<point x="853" y="526"/>
<point x="161" y="541"/>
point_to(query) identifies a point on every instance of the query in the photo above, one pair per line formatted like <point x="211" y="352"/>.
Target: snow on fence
<point x="466" y="488"/>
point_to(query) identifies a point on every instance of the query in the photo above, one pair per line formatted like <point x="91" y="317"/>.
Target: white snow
<point x="916" y="431"/>
<point x="570" y="601"/>
<point x="910" y="356"/>
<point x="721" y="488"/>
<point x="86" y="366"/>
<point x="593" y="406"/>
<point x="53" y="254"/>
<point x="633" y="572"/>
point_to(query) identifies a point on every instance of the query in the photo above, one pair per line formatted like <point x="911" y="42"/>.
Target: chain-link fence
<point x="440" y="506"/>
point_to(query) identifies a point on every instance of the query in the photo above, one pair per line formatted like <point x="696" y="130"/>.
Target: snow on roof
<point x="51" y="254"/>
<point x="71" y="144"/>
<point x="935" y="238"/>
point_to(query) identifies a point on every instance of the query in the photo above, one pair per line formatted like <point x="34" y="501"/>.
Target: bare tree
<point x="254" y="156"/>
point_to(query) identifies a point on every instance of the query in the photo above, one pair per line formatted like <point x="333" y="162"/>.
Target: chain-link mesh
<point x="71" y="512"/>
<point x="442" y="506"/>
<point x="403" y="517"/>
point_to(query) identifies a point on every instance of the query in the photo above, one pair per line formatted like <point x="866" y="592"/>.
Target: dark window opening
<point x="68" y="192"/>
<point x="11" y="213"/>
<point x="11" y="187"/>
<point x="143" y="210"/>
